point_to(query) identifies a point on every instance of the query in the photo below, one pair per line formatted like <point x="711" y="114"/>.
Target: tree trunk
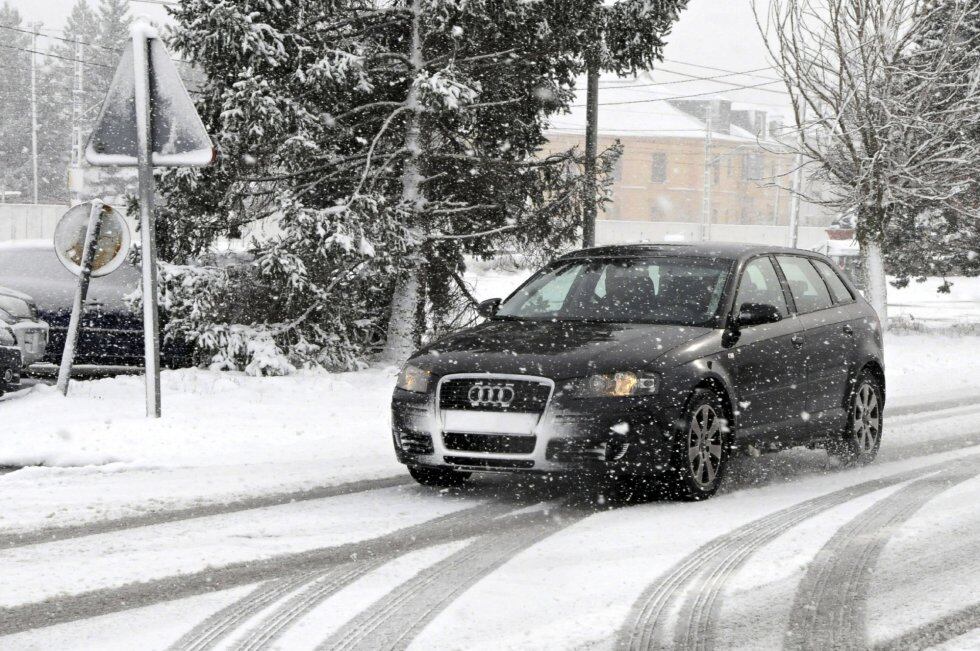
<point x="402" y="330"/>
<point x="874" y="271"/>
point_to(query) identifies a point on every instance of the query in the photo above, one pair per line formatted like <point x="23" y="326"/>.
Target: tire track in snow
<point x="211" y="631"/>
<point x="936" y="632"/>
<point x="830" y="607"/>
<point x="310" y="587"/>
<point x="52" y="534"/>
<point x="397" y="618"/>
<point x="693" y="585"/>
<point x="57" y="610"/>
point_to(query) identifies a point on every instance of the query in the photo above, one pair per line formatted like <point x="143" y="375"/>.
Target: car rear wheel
<point x="701" y="448"/>
<point x="440" y="477"/>
<point x="862" y="437"/>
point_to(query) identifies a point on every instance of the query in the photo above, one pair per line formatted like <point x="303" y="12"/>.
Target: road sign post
<point x="81" y="291"/>
<point x="100" y="251"/>
<point x="144" y="148"/>
<point x="148" y="120"/>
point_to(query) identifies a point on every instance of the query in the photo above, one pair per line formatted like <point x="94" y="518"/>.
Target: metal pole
<point x="706" y="199"/>
<point x="34" y="107"/>
<point x="591" y="150"/>
<point x="794" y="211"/>
<point x="81" y="291"/>
<point x="151" y="330"/>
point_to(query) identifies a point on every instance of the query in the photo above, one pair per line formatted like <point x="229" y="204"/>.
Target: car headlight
<point x="7" y="336"/>
<point x="613" y="385"/>
<point x="414" y="379"/>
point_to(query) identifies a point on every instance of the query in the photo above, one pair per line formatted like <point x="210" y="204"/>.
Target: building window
<point x="658" y="173"/>
<point x="716" y="172"/>
<point x="752" y="167"/>
<point x="617" y="170"/>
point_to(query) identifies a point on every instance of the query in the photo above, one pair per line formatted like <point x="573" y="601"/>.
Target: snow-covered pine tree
<point x="363" y="146"/>
<point x="15" y="112"/>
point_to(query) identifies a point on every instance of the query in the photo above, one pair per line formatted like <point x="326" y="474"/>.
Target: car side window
<point x="760" y="284"/>
<point x="837" y="287"/>
<point x="808" y="289"/>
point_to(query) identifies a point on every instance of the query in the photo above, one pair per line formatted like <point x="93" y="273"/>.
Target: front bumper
<point x="32" y="339"/>
<point x="569" y="435"/>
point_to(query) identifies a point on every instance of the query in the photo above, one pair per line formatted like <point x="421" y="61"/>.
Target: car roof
<point x="723" y="250"/>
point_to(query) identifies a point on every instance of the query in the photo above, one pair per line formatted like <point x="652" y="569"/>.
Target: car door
<point x="829" y="346"/>
<point x="769" y="363"/>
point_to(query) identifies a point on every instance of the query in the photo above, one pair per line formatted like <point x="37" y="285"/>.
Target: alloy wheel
<point x="866" y="419"/>
<point x="704" y="445"/>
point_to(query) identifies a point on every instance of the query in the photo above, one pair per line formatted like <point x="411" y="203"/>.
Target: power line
<point x="716" y="80"/>
<point x="689" y="79"/>
<point x="704" y="67"/>
<point x="676" y="97"/>
<point x="60" y="38"/>
<point x="56" y="56"/>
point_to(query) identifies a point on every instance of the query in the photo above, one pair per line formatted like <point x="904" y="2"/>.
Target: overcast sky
<point x="715" y="33"/>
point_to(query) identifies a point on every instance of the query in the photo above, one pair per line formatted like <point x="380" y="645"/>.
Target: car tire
<point x="701" y="448"/>
<point x="439" y="477"/>
<point x="858" y="444"/>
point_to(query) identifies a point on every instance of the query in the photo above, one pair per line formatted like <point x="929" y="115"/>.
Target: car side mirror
<point x="488" y="308"/>
<point x="753" y="314"/>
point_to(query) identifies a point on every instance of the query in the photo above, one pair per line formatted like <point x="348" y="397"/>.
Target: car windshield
<point x="678" y="291"/>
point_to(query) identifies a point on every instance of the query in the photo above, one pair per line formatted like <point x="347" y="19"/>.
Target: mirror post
<point x="81" y="291"/>
<point x="144" y="130"/>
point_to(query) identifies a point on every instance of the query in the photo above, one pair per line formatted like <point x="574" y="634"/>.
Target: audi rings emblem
<point x="491" y="395"/>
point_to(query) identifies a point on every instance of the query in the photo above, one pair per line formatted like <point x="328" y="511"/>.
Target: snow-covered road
<point x="792" y="554"/>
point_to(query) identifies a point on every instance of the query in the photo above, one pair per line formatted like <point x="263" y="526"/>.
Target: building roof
<point x="626" y="110"/>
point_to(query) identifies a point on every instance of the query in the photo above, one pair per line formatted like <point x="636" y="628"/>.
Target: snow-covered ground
<point x="920" y="303"/>
<point x="193" y="530"/>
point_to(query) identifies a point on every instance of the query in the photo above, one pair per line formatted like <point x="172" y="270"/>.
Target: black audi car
<point x="649" y="363"/>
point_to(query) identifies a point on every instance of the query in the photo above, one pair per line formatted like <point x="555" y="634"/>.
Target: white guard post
<point x="142" y="33"/>
<point x="81" y="291"/>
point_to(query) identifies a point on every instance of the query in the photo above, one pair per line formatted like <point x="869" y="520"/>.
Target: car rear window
<point x="837" y="287"/>
<point x="809" y="291"/>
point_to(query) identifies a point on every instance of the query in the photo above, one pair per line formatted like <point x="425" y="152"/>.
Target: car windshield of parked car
<point x="679" y="291"/>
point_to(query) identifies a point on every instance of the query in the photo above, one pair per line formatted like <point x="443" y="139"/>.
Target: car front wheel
<point x="701" y="448"/>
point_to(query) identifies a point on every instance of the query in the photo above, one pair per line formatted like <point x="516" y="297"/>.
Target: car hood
<point x="555" y="349"/>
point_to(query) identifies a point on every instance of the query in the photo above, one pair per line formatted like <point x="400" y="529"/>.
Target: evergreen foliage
<point x="365" y="147"/>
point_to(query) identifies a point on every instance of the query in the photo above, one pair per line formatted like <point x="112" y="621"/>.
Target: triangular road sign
<point x="178" y="136"/>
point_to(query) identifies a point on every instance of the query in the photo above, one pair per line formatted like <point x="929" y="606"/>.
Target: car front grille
<point x="495" y="394"/>
<point x="497" y="443"/>
<point x="489" y="464"/>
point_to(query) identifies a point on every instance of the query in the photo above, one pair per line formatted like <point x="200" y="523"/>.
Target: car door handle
<point x="797" y="341"/>
<point x="848" y="330"/>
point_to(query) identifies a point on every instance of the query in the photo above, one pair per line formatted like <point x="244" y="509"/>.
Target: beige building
<point x="668" y="148"/>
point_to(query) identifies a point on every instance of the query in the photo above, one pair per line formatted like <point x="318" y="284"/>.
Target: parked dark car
<point x="651" y="364"/>
<point x="112" y="332"/>
<point x="10" y="359"/>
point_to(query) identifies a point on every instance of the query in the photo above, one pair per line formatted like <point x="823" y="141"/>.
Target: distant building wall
<point x="630" y="232"/>
<point x="20" y="221"/>
<point x="27" y="221"/>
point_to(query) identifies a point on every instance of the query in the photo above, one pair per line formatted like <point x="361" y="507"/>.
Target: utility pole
<point x="34" y="106"/>
<point x="77" y="155"/>
<point x="794" y="212"/>
<point x="591" y="150"/>
<point x="706" y="198"/>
